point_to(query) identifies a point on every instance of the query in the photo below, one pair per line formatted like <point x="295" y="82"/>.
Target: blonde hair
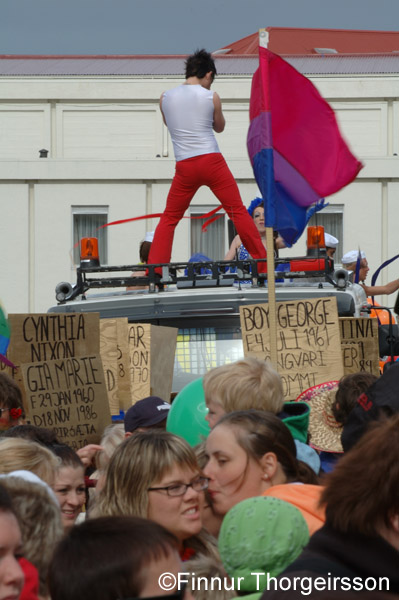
<point x="207" y="569"/>
<point x="18" y="453"/>
<point x="245" y="384"/>
<point x="113" y="435"/>
<point x="39" y="518"/>
<point x="139" y="462"/>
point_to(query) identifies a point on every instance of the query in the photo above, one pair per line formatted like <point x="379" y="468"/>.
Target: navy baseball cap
<point x="145" y="413"/>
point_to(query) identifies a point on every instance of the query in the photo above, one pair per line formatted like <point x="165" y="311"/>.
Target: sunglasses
<point x="179" y="595"/>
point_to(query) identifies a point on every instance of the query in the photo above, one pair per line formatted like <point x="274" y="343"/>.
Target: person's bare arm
<point x="280" y="243"/>
<point x="218" y="118"/>
<point x="160" y="106"/>
<point x="137" y="287"/>
<point x="376" y="290"/>
<point x="236" y="243"/>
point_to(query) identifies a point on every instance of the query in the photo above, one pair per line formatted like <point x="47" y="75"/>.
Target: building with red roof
<point x="292" y="40"/>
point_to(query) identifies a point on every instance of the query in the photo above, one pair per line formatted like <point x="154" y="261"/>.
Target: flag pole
<point x="271" y="283"/>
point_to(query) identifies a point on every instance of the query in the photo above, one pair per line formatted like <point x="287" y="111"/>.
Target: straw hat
<point x="325" y="432"/>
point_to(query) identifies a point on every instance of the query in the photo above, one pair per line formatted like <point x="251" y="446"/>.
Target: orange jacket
<point x="305" y="497"/>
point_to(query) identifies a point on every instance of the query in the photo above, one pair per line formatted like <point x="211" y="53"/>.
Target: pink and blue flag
<point x="297" y="152"/>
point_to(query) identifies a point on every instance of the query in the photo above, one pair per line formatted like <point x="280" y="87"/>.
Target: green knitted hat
<point x="263" y="534"/>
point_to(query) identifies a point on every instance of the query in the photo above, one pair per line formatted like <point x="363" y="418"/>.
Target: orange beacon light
<point x="89" y="256"/>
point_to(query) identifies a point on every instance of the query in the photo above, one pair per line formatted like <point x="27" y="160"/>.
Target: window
<point x="331" y="218"/>
<point x="199" y="349"/>
<point x="209" y="242"/>
<point x="86" y="221"/>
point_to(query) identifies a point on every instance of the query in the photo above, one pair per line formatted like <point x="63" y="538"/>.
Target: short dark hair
<point x="199" y="64"/>
<point x="10" y="393"/>
<point x="350" y="387"/>
<point x="105" y="558"/>
<point x="144" y="251"/>
<point x="41" y="435"/>
<point x="362" y="493"/>
<point x="68" y="457"/>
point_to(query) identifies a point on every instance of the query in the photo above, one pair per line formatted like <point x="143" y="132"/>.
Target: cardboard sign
<point x="123" y="361"/>
<point x="308" y="341"/>
<point x="109" y="356"/>
<point x="52" y="336"/>
<point x="43" y="337"/>
<point x="12" y="372"/>
<point x="152" y="354"/>
<point x="359" y="343"/>
<point x="68" y="396"/>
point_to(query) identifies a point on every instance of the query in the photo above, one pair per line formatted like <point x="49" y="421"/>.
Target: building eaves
<point x="58" y="66"/>
<point x="164" y="66"/>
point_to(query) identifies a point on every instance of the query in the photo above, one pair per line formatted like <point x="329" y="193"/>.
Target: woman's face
<point x="259" y="219"/>
<point x="69" y="488"/>
<point x="11" y="574"/>
<point x="233" y="475"/>
<point x="179" y="514"/>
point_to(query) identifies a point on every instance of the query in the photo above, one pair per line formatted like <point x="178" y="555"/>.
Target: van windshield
<point x="199" y="349"/>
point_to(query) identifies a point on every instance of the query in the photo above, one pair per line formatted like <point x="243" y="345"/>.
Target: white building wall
<point x="109" y="147"/>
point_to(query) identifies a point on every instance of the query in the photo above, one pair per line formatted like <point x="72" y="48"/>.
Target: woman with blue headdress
<point x="257" y="211"/>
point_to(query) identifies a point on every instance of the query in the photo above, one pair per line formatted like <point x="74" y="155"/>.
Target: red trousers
<point x="191" y="174"/>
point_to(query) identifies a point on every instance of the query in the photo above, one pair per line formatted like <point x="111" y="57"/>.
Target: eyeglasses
<point x="179" y="595"/>
<point x="179" y="489"/>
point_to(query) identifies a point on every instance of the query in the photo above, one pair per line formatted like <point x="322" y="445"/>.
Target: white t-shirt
<point x="188" y="111"/>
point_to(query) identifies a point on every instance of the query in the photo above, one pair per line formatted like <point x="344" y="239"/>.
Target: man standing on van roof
<point x="192" y="112"/>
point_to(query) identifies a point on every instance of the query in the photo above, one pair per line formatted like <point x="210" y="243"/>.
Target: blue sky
<point x="170" y="26"/>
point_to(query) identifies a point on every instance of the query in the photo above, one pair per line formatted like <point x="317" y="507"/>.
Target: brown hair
<point x="144" y="251"/>
<point x="362" y="493"/>
<point x="106" y="558"/>
<point x="350" y="387"/>
<point x="259" y="432"/>
<point x="10" y="394"/>
<point x="67" y="456"/>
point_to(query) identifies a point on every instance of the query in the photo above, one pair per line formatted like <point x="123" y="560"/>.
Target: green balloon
<point x="187" y="414"/>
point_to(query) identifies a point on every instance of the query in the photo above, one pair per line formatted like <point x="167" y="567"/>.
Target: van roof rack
<point x="193" y="274"/>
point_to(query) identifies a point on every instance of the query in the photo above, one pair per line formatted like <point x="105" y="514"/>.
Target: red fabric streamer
<point x="157" y="215"/>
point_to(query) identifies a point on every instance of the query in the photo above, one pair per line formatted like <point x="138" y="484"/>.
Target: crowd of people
<point x="248" y="512"/>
